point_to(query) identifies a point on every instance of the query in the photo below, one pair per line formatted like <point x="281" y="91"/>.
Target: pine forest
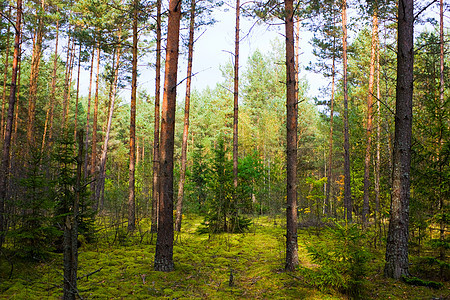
<point x="308" y="158"/>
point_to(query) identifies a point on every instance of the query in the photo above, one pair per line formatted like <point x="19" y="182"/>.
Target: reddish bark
<point x="164" y="242"/>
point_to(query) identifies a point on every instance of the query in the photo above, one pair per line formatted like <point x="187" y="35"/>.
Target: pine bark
<point x="88" y="116"/>
<point x="132" y="155"/>
<point x="155" y="168"/>
<point x="94" y="132"/>
<point x="348" y="205"/>
<point x="164" y="242"/>
<point x="50" y="109"/>
<point x="442" y="103"/>
<point x="5" y="77"/>
<point x="291" y="151"/>
<point x="4" y="171"/>
<point x="397" y="264"/>
<point x="34" y="74"/>
<point x="236" y="102"/>
<point x="366" y="200"/>
<point x="179" y="213"/>
<point x="330" y="139"/>
<point x="77" y="94"/>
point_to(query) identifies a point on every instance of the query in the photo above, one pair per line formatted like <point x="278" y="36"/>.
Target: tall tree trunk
<point x="155" y="168"/>
<point x="94" y="132"/>
<point x="366" y="206"/>
<point x="88" y="116"/>
<point x="442" y="103"/>
<point x="348" y="205"/>
<point x="99" y="189"/>
<point x="78" y="94"/>
<point x="330" y="137"/>
<point x="378" y="153"/>
<point x="34" y="74"/>
<point x="291" y="151"/>
<point x="5" y="77"/>
<point x="71" y="233"/>
<point x="236" y="101"/>
<point x="67" y="79"/>
<point x="397" y="263"/>
<point x="4" y="172"/>
<point x="186" y="119"/>
<point x="50" y="109"/>
<point x="132" y="166"/>
<point x="164" y="242"/>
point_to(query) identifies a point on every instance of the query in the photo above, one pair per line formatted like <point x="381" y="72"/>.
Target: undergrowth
<point x="207" y="266"/>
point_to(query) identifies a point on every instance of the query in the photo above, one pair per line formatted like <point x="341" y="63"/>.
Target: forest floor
<point x="220" y="266"/>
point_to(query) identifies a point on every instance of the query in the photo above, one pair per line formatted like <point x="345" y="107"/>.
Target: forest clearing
<point x="260" y="186"/>
<point x="219" y="266"/>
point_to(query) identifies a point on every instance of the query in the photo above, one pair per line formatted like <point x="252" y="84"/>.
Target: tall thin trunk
<point x="78" y="93"/>
<point x="71" y="233"/>
<point x="397" y="264"/>
<point x="99" y="189"/>
<point x="330" y="137"/>
<point x="4" y="171"/>
<point x="186" y="119"/>
<point x="156" y="186"/>
<point x="94" y="132"/>
<point x="442" y="103"/>
<point x="5" y="77"/>
<point x="50" y="109"/>
<point x="366" y="207"/>
<point x="34" y="74"/>
<point x="66" y="94"/>
<point x="132" y="166"/>
<point x="164" y="242"/>
<point x="348" y="205"/>
<point x="378" y="151"/>
<point x="291" y="146"/>
<point x="236" y="107"/>
<point x="88" y="116"/>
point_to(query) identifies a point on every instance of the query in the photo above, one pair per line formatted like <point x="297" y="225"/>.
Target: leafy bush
<point x="343" y="261"/>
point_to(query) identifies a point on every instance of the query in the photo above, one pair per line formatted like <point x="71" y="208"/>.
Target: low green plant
<point x="420" y="282"/>
<point x="342" y="259"/>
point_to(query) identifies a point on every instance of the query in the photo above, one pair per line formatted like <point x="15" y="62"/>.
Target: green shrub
<point x="343" y="261"/>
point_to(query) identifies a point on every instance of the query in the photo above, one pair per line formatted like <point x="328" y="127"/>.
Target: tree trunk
<point x="366" y="207"/>
<point x="94" y="133"/>
<point x="397" y="240"/>
<point x="291" y="151"/>
<point x="330" y="138"/>
<point x="71" y="233"/>
<point x="132" y="166"/>
<point x="164" y="242"/>
<point x="236" y="101"/>
<point x="186" y="120"/>
<point x="99" y="189"/>
<point x="78" y="94"/>
<point x="88" y="115"/>
<point x="4" y="172"/>
<point x="442" y="103"/>
<point x="156" y="185"/>
<point x="378" y="153"/>
<point x="50" y="109"/>
<point x="5" y="77"/>
<point x="348" y="205"/>
<point x="34" y="74"/>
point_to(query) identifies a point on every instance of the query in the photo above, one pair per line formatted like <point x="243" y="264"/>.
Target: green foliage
<point x="420" y="282"/>
<point x="343" y="259"/>
<point x="225" y="204"/>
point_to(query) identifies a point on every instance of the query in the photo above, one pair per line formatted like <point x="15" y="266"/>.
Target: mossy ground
<point x="203" y="267"/>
